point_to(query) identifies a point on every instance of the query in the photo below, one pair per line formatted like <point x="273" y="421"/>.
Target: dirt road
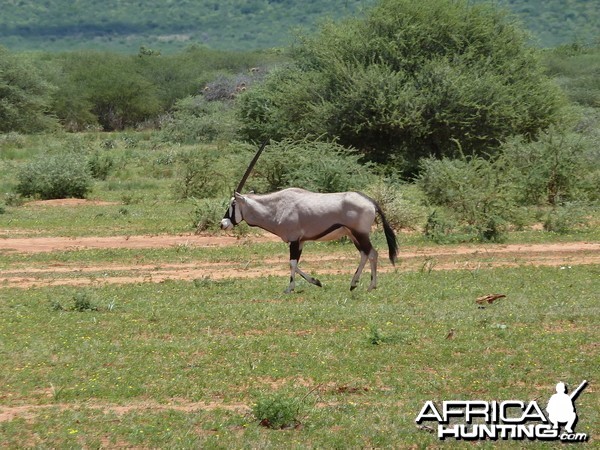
<point x="410" y="259"/>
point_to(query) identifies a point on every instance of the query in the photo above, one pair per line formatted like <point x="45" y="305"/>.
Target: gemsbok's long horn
<point x="250" y="167"/>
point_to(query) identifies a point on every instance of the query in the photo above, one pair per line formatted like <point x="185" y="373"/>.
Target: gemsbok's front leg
<point x="295" y="253"/>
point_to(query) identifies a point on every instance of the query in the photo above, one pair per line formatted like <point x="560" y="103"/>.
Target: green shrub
<point x="473" y="189"/>
<point x="82" y="302"/>
<point x="312" y="165"/>
<point x="13" y="199"/>
<point x="438" y="228"/>
<point x="576" y="68"/>
<point x="563" y="219"/>
<point x="24" y="96"/>
<point x="375" y="336"/>
<point x="200" y="173"/>
<point x="277" y="411"/>
<point x="207" y="214"/>
<point x="559" y="167"/>
<point x="100" y="165"/>
<point x="55" y="176"/>
<point x="405" y="80"/>
<point x="196" y="120"/>
<point x="101" y="88"/>
<point x="399" y="202"/>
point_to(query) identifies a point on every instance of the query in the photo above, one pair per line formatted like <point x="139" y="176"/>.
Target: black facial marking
<point x="230" y="213"/>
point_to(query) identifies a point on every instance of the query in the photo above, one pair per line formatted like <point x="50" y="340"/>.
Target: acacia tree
<point x="105" y="89"/>
<point x="24" y="96"/>
<point x="410" y="79"/>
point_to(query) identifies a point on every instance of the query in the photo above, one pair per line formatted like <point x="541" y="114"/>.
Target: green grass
<point x="98" y="220"/>
<point x="183" y="364"/>
<point x="235" y="342"/>
<point x="141" y="187"/>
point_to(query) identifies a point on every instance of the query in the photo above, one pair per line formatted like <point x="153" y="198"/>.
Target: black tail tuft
<point x="390" y="237"/>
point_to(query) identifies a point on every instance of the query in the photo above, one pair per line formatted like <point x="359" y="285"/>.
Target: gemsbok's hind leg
<point x="361" y="266"/>
<point x="367" y="252"/>
<point x="295" y="253"/>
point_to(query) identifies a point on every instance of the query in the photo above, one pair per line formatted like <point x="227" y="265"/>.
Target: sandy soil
<point x="51" y="244"/>
<point x="469" y="257"/>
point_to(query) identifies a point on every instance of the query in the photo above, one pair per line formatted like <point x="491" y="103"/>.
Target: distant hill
<point x="556" y="22"/>
<point x="125" y="25"/>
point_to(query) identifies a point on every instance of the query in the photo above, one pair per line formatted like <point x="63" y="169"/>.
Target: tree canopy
<point x="24" y="96"/>
<point x="411" y="79"/>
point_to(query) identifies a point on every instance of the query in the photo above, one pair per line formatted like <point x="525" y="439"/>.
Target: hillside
<point x="556" y="22"/>
<point x="165" y="25"/>
<point x="123" y="25"/>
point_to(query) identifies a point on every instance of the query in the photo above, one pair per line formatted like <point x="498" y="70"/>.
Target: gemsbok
<point x="298" y="216"/>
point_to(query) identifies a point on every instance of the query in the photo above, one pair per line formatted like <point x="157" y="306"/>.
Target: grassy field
<point x="186" y="364"/>
<point x="181" y="364"/>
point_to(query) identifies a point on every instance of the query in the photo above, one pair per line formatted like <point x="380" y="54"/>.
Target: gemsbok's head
<point x="233" y="214"/>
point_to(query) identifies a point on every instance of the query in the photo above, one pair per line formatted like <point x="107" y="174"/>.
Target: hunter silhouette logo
<point x="510" y="419"/>
<point x="561" y="408"/>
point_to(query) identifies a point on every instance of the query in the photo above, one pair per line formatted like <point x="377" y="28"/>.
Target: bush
<point x="474" y="189"/>
<point x="55" y="176"/>
<point x="438" y="228"/>
<point x="312" y="165"/>
<point x="559" y="167"/>
<point x="25" y="96"/>
<point x="196" y="120"/>
<point x="401" y="210"/>
<point x="277" y="411"/>
<point x="82" y="302"/>
<point x="203" y="173"/>
<point x="103" y="88"/>
<point x="207" y="214"/>
<point x="213" y="173"/>
<point x="100" y="165"/>
<point x="563" y="219"/>
<point x="576" y="67"/>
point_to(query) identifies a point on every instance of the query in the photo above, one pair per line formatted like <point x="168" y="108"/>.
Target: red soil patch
<point x="470" y="257"/>
<point x="51" y="244"/>
<point x="8" y="413"/>
<point x="70" y="202"/>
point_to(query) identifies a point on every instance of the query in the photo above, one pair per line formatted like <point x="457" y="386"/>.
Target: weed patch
<point x="277" y="411"/>
<point x="81" y="301"/>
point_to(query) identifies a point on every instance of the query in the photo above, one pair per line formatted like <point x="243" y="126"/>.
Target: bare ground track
<point x="469" y="257"/>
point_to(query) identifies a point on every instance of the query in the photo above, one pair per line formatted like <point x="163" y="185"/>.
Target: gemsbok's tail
<point x="390" y="237"/>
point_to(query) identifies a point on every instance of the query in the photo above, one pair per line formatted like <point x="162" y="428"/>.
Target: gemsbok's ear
<point x="239" y="197"/>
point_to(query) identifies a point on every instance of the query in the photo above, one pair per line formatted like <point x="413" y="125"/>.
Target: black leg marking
<point x="295" y="250"/>
<point x="363" y="243"/>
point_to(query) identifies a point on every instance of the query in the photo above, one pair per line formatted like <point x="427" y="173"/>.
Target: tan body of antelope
<point x="298" y="216"/>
